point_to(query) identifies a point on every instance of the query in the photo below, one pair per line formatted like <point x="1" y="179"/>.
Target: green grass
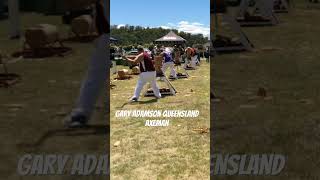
<point x="39" y="103"/>
<point x="288" y="123"/>
<point x="32" y="112"/>
<point x="174" y="152"/>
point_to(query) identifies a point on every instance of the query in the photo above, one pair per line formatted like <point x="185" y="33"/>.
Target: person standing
<point x="177" y="56"/>
<point x="168" y="63"/>
<point x="147" y="75"/>
<point x="96" y="76"/>
<point x="192" y="57"/>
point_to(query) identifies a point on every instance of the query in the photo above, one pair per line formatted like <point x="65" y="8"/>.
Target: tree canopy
<point x="136" y="35"/>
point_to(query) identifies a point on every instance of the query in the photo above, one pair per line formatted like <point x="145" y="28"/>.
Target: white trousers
<point x="147" y="77"/>
<point x="194" y="61"/>
<point x="170" y="65"/>
<point x="95" y="80"/>
<point x="191" y="63"/>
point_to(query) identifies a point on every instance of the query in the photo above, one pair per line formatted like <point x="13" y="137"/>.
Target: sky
<point x="183" y="15"/>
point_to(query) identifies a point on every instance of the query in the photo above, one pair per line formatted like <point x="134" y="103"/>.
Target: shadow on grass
<point x="89" y="130"/>
<point x="149" y="101"/>
<point x="139" y="102"/>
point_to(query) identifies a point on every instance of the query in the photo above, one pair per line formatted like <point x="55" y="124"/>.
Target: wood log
<point x="158" y="60"/>
<point x="123" y="73"/>
<point x="136" y="70"/>
<point x="83" y="25"/>
<point x="41" y="35"/>
<point x="177" y="57"/>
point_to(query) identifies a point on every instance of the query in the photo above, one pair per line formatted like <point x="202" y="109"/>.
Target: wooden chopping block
<point x="158" y="63"/>
<point x="177" y="57"/>
<point x="136" y="70"/>
<point x="82" y="25"/>
<point x="123" y="73"/>
<point x="41" y="35"/>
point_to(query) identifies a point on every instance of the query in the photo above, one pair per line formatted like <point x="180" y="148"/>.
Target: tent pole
<point x="14" y="19"/>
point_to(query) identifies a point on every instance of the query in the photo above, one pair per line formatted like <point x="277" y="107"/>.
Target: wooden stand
<point x="222" y="44"/>
<point x="167" y="91"/>
<point x="262" y="14"/>
<point x="41" y="41"/>
<point x="158" y="60"/>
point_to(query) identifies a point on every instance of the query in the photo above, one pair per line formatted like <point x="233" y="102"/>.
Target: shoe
<point x="134" y="99"/>
<point x="173" y="77"/>
<point x="77" y="121"/>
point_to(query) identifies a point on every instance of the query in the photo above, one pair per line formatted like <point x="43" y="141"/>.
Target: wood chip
<point x="306" y="101"/>
<point x="61" y="114"/>
<point x="117" y="144"/>
<point x="202" y="130"/>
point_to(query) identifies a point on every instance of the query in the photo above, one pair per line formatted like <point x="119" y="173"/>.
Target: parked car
<point x="131" y="53"/>
<point x="134" y="52"/>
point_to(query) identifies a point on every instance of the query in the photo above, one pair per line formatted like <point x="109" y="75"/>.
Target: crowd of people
<point x="151" y="68"/>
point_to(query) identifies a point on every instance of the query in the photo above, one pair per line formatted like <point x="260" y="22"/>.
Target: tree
<point x="129" y="35"/>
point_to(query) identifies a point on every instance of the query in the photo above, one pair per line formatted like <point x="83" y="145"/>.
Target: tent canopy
<point x="171" y="38"/>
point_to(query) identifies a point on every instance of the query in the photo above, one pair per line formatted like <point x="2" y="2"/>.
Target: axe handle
<point x="167" y="80"/>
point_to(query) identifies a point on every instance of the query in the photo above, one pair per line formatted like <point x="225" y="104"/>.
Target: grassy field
<point x="287" y="121"/>
<point x="32" y="112"/>
<point x="173" y="152"/>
